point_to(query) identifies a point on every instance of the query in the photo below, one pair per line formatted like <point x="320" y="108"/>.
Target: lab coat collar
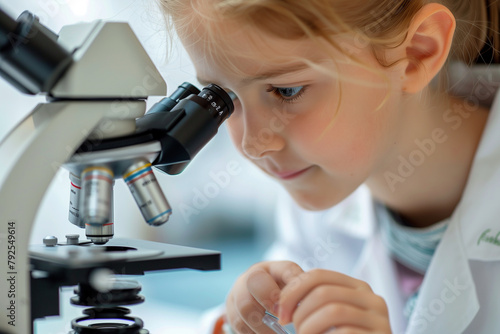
<point x="477" y="217"/>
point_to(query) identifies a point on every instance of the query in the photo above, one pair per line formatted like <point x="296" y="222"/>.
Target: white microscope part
<point x="32" y="153"/>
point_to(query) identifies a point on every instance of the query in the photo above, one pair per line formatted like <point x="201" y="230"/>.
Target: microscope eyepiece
<point x="185" y="122"/>
<point x="219" y="104"/>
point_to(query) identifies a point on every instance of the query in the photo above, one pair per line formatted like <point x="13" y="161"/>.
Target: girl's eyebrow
<point x="276" y="72"/>
<point x="272" y="73"/>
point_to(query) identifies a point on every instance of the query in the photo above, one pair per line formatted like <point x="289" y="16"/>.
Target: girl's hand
<point x="324" y="302"/>
<point x="256" y="291"/>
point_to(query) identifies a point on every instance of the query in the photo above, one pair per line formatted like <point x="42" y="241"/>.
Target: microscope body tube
<point x="31" y="59"/>
<point x="147" y="193"/>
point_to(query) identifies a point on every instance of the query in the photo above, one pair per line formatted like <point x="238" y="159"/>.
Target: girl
<point x="366" y="114"/>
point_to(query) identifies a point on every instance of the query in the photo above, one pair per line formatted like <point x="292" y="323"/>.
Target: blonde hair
<point x="383" y="23"/>
<point x="379" y="24"/>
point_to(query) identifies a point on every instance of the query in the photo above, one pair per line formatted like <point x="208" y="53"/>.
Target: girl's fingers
<point x="347" y="330"/>
<point x="326" y="294"/>
<point x="238" y="325"/>
<point x="303" y="284"/>
<point x="283" y="272"/>
<point x="339" y="316"/>
<point x="251" y="313"/>
<point x="264" y="289"/>
<point x="257" y="291"/>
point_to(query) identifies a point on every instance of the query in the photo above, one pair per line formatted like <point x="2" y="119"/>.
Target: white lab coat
<point x="460" y="292"/>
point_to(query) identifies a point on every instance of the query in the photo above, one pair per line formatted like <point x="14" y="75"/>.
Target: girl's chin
<point x="312" y="201"/>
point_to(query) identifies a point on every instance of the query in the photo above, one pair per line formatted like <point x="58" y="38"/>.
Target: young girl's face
<point x="319" y="135"/>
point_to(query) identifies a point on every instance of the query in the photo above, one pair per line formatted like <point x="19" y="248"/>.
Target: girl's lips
<point x="290" y="175"/>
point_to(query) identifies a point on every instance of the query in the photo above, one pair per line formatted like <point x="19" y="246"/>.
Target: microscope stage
<point x="124" y="256"/>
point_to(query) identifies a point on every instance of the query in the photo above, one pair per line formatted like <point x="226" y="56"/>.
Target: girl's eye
<point x="287" y="94"/>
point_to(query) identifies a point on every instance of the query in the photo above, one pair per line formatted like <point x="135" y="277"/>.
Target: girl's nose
<point x="262" y="135"/>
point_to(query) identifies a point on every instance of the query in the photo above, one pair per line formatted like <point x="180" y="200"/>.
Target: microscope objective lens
<point x="74" y="201"/>
<point x="147" y="193"/>
<point x="97" y="186"/>
<point x="96" y="203"/>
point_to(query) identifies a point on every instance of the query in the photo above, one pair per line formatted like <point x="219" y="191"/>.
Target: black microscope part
<point x="31" y="59"/>
<point x="102" y="318"/>
<point x="183" y="123"/>
<point x="188" y="127"/>
<point x="123" y="292"/>
<point x="222" y="98"/>
<point x="168" y="103"/>
<point x="103" y="321"/>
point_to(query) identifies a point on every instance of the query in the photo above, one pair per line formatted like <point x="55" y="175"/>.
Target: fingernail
<point x="282" y="322"/>
<point x="281" y="318"/>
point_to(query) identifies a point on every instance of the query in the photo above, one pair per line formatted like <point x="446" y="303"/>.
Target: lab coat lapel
<point x="478" y="216"/>
<point x="447" y="301"/>
<point x="480" y="225"/>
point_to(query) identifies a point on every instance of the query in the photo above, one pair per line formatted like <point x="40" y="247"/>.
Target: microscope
<point x="96" y="77"/>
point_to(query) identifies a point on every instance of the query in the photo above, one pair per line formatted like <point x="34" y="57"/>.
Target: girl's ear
<point x="426" y="46"/>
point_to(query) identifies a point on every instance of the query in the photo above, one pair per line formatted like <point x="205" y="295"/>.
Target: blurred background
<point x="234" y="217"/>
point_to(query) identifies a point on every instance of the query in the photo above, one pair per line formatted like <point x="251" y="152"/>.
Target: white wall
<point x="246" y="199"/>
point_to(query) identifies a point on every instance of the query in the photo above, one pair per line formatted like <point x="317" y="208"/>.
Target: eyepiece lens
<point x="220" y="103"/>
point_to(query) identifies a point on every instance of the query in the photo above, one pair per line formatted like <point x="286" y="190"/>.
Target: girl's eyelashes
<point x="287" y="94"/>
